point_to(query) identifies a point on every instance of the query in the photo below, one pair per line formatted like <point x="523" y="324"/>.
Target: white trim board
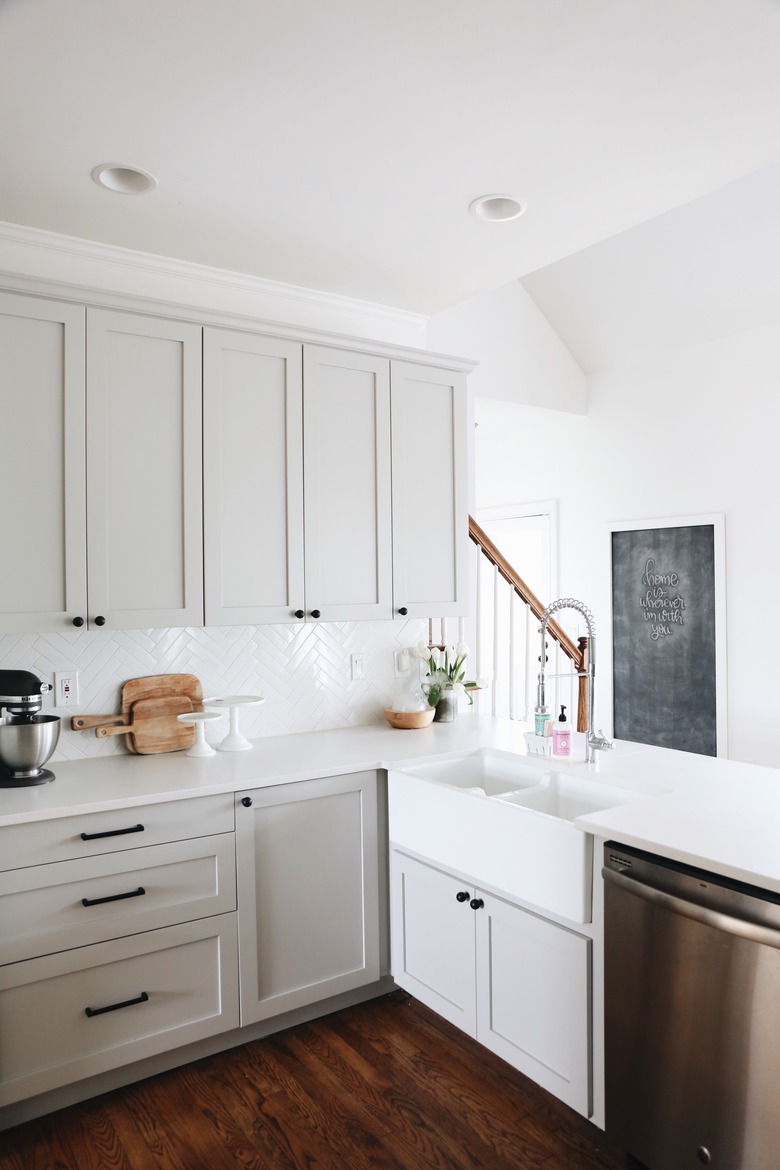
<point x="33" y="260"/>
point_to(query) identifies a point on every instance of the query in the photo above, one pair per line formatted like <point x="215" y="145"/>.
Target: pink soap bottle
<point x="561" y="736"/>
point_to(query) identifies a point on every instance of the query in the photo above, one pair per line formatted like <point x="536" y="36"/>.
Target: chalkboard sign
<point x="665" y="635"/>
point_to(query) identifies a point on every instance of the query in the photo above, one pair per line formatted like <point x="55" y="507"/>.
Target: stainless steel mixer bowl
<point x="26" y="746"/>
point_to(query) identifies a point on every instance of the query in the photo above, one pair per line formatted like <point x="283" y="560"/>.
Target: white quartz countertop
<point x="715" y="814"/>
<point x="104" y="782"/>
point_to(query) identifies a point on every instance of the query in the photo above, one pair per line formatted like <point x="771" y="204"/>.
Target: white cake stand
<point x="234" y="741"/>
<point x="199" y="719"/>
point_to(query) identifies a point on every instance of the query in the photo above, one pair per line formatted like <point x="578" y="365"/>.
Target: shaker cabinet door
<point x="347" y="504"/>
<point x="42" y="465"/>
<point x="533" y="1007"/>
<point x="253" y="478"/>
<point x="430" y="491"/>
<point x="308" y="892"/>
<point x="144" y="509"/>
<point x="432" y="939"/>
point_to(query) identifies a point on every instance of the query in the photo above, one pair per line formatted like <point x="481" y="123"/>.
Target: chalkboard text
<point x="662" y="610"/>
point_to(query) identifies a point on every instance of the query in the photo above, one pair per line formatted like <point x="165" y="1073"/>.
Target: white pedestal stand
<point x="200" y="719"/>
<point x="234" y="741"/>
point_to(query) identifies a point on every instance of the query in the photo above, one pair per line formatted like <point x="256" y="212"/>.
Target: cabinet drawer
<point x="146" y="994"/>
<point x="48" y="908"/>
<point x="88" y="834"/>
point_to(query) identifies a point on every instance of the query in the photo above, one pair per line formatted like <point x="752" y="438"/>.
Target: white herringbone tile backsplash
<point x="303" y="671"/>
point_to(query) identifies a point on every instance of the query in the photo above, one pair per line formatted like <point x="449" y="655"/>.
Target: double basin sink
<point x="510" y="778"/>
<point x="506" y="823"/>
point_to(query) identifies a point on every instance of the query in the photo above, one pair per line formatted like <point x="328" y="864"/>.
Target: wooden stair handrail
<point x="480" y="538"/>
<point x="576" y="654"/>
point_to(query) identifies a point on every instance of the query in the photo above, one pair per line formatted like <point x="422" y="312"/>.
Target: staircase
<point x="505" y="647"/>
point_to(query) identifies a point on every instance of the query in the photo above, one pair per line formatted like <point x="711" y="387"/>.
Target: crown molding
<point x="43" y="256"/>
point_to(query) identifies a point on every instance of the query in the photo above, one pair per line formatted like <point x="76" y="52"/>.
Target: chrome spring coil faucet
<point x="594" y="741"/>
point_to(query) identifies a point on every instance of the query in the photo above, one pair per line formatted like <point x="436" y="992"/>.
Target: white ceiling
<point x="702" y="271"/>
<point x="336" y="144"/>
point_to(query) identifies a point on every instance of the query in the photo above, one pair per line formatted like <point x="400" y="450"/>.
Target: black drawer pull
<point x="112" y="833"/>
<point x="114" y="1007"/>
<point x="113" y="897"/>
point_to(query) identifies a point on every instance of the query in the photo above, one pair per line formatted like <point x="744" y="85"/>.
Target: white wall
<point x="694" y="431"/>
<point x="521" y="358"/>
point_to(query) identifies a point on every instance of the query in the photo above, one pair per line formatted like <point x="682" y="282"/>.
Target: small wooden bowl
<point x="406" y="720"/>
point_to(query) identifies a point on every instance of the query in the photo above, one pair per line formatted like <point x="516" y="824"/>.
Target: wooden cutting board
<point x="158" y="687"/>
<point x="154" y="726"/>
<point x="161" y="686"/>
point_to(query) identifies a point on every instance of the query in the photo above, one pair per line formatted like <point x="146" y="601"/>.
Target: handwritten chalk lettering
<point x="661" y="610"/>
<point x="650" y="576"/>
<point x="652" y="602"/>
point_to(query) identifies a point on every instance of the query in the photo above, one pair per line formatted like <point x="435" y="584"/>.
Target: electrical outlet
<point x="66" y="688"/>
<point x="401" y="661"/>
<point x="358" y="664"/>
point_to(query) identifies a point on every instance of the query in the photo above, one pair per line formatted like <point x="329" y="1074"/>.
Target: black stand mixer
<point x="27" y="738"/>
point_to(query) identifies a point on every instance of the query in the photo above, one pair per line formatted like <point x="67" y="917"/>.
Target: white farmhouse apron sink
<point x="505" y="822"/>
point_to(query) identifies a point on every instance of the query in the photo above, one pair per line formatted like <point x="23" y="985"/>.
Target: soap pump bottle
<point x="561" y="736"/>
<point x="542" y="718"/>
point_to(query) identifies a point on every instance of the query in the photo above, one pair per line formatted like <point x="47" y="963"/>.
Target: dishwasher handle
<point x="753" y="931"/>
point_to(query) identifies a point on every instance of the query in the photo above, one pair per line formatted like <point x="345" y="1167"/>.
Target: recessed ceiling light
<point x="123" y="180"/>
<point x="497" y="208"/>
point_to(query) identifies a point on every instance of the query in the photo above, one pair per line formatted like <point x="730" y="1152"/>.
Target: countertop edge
<point x="712" y="813"/>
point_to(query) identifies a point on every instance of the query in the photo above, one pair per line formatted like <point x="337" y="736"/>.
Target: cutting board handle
<point x="102" y="732"/>
<point x="81" y="722"/>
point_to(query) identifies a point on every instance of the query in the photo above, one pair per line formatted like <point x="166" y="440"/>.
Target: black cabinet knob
<point x="100" y="620"/>
<point x="403" y="611"/>
<point x="315" y="613"/>
<point x="246" y="801"/>
<point x="462" y="896"/>
<point x="299" y="613"/>
<point x="78" y="621"/>
<point x="476" y="903"/>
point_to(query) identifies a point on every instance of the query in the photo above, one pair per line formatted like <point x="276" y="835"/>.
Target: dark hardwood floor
<point x="386" y="1085"/>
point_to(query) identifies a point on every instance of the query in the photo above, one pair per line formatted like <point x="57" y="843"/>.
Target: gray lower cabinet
<point x="308" y="896"/>
<point x="71" y="1015"/>
<point x="128" y="933"/>
<point x="122" y="946"/>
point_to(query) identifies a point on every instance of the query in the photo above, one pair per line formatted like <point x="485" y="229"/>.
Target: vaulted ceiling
<point x="337" y="145"/>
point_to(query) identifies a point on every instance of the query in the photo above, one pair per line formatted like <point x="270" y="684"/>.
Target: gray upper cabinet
<point x="160" y="474"/>
<point x="347" y="500"/>
<point x="297" y="481"/>
<point x="253" y="478"/>
<point x="100" y="465"/>
<point x="144" y="460"/>
<point x="335" y="484"/>
<point x="43" y="585"/>
<point x="430" y="491"/>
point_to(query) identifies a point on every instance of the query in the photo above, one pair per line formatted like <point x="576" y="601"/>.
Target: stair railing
<point x="575" y="652"/>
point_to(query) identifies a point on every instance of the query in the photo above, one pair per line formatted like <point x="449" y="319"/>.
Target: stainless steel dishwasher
<point x="692" y="1015"/>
